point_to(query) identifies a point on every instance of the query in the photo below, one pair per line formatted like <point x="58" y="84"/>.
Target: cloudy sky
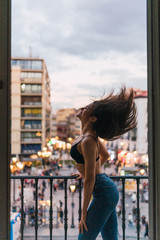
<point x="89" y="46"/>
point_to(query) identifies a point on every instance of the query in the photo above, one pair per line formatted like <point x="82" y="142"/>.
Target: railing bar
<point x="65" y="211"/>
<point x="73" y="177"/>
<point x="22" y="208"/>
<point x="123" y="209"/>
<point x="138" y="215"/>
<point x="36" y="209"/>
<point x="80" y="198"/>
<point x="51" y="209"/>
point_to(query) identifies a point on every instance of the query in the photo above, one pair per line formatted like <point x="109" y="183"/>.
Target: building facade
<point x="65" y="124"/>
<point x="53" y="126"/>
<point x="31" y="107"/>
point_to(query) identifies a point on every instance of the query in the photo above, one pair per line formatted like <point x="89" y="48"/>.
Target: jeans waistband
<point x="101" y="175"/>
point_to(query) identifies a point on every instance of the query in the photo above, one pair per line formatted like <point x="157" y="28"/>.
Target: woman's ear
<point x="93" y="119"/>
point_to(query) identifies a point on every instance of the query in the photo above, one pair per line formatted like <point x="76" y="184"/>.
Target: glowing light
<point x="72" y="187"/>
<point x="19" y="165"/>
<point x="34" y="156"/>
<point x="39" y="154"/>
<point x="142" y="171"/>
<point x="14" y="159"/>
<point x="38" y="134"/>
<point x="70" y="139"/>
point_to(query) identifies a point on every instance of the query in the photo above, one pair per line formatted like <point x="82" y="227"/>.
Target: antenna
<point x="30" y="52"/>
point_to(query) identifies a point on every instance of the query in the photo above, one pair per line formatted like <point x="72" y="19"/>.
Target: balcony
<point x="31" y="94"/>
<point x="31" y="140"/>
<point x="30" y="115"/>
<point x="31" y="80"/>
<point x="31" y="105"/>
<point x="31" y="125"/>
<point x="31" y="128"/>
<point x="47" y="224"/>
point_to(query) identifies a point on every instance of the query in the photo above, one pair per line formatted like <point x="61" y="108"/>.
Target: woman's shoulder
<point x="88" y="141"/>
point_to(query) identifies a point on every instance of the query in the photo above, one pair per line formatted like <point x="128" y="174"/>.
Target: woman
<point x="107" y="118"/>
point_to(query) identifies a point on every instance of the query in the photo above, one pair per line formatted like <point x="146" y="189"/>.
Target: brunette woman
<point x="107" y="118"/>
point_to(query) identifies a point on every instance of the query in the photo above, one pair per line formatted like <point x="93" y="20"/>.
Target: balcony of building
<point x="55" y="213"/>
<point x="31" y="113"/>
<point x="31" y="77"/>
<point x="28" y="64"/>
<point x="31" y="101"/>
<point x="28" y="148"/>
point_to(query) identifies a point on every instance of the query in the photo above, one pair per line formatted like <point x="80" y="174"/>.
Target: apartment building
<point x="30" y="106"/>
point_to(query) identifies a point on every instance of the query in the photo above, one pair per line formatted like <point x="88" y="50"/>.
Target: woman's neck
<point x="88" y="130"/>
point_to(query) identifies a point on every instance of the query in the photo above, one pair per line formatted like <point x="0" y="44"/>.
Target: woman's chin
<point x="78" y="116"/>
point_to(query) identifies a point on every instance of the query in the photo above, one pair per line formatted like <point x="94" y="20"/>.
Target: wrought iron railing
<point x="66" y="178"/>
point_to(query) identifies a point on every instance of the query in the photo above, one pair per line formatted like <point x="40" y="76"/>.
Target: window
<point x="133" y="134"/>
<point x="28" y="64"/>
<point x="29" y="112"/>
<point x="37" y="75"/>
<point x="30" y="136"/>
<point x="31" y="124"/>
<point x="31" y="88"/>
<point x="30" y="148"/>
<point x="30" y="100"/>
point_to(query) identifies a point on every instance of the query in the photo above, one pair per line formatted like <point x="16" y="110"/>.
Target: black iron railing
<point x="66" y="178"/>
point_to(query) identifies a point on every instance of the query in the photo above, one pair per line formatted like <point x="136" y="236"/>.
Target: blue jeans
<point x="101" y="214"/>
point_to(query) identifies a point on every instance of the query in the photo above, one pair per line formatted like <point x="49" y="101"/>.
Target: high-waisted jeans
<point x="101" y="214"/>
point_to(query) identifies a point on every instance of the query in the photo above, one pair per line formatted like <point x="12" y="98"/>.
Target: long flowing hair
<point x="116" y="114"/>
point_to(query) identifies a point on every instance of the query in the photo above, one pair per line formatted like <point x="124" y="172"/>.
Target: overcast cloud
<point x="89" y="45"/>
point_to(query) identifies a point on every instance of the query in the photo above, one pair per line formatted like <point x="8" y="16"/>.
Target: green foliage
<point x="36" y="163"/>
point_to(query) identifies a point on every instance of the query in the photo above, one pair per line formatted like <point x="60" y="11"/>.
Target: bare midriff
<point x="81" y="168"/>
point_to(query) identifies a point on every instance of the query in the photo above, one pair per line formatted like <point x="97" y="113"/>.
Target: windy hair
<point x="116" y="114"/>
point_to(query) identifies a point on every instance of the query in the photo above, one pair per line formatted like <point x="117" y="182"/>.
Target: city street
<point x="58" y="226"/>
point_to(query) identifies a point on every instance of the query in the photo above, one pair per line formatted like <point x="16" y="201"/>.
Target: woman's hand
<point x="79" y="176"/>
<point x="83" y="223"/>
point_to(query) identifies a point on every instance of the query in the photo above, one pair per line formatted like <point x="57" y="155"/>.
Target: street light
<point x="13" y="169"/>
<point x="72" y="188"/>
<point x="45" y="154"/>
<point x="142" y="171"/>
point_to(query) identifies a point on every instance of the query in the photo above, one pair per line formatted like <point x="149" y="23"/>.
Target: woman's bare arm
<point x="89" y="148"/>
<point x="104" y="154"/>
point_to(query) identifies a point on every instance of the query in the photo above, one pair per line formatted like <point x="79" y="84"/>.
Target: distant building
<point x="62" y="114"/>
<point x="53" y="126"/>
<point x="62" y="130"/>
<point x="65" y="124"/>
<point x="31" y="107"/>
<point x="136" y="139"/>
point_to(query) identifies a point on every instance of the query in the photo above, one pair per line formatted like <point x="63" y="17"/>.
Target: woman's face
<point x="85" y="112"/>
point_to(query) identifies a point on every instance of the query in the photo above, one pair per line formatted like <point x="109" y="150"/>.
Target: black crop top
<point x="77" y="156"/>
